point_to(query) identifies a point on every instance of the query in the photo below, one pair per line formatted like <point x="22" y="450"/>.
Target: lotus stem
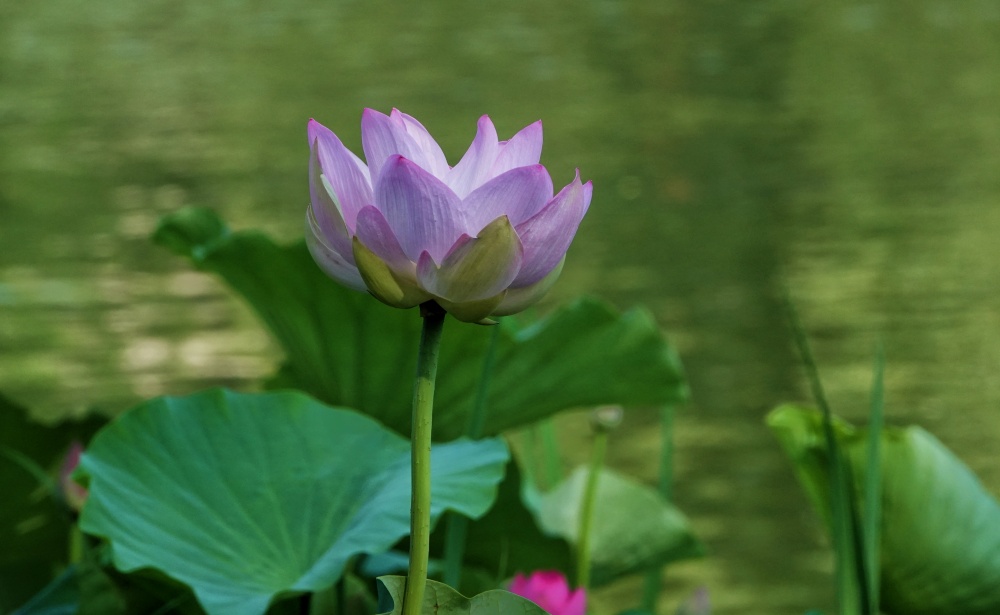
<point x="654" y="577"/>
<point x="478" y="419"/>
<point x="872" y="520"/>
<point x="587" y="510"/>
<point x="551" y="461"/>
<point x="457" y="527"/>
<point x="420" y="456"/>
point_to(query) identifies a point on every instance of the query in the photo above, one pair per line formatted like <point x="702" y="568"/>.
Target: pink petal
<point x="73" y="493"/>
<point x="345" y="173"/>
<point x="554" y="586"/>
<point x="325" y="210"/>
<point x="549" y="590"/>
<point x="519" y="194"/>
<point x="383" y="136"/>
<point x="588" y="192"/>
<point x="520" y="585"/>
<point x="332" y="262"/>
<point x="474" y="167"/>
<point x="424" y="214"/>
<point x="577" y="603"/>
<point x="547" y="235"/>
<point x="523" y="149"/>
<point x="374" y="231"/>
<point x="436" y="162"/>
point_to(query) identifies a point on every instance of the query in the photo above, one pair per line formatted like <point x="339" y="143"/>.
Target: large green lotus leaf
<point x="343" y="347"/>
<point x="348" y="349"/>
<point x="439" y="599"/>
<point x="583" y="354"/>
<point x="633" y="527"/>
<point x="243" y="497"/>
<point x="34" y="526"/>
<point x="940" y="552"/>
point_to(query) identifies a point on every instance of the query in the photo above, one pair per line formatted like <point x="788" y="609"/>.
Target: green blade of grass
<point x="851" y="578"/>
<point x="31" y="467"/>
<point x="872" y="518"/>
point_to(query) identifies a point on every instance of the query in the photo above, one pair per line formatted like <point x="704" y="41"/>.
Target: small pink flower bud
<point x="72" y="492"/>
<point x="549" y="590"/>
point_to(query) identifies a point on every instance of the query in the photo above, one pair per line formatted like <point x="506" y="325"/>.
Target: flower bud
<point x="72" y="492"/>
<point x="485" y="237"/>
<point x="550" y="590"/>
<point x="604" y="419"/>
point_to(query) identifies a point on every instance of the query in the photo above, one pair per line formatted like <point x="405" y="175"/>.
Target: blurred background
<point x="849" y="149"/>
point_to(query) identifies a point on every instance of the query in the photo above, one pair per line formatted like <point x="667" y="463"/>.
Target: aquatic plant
<point x="550" y="590"/>
<point x="484" y="237"/>
<point x="297" y="500"/>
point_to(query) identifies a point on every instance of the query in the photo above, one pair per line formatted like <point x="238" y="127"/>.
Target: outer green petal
<point x="383" y="283"/>
<point x="520" y="299"/>
<point x="473" y="311"/>
<point x="474" y="268"/>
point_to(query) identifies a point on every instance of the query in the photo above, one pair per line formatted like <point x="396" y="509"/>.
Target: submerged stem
<point x="551" y="462"/>
<point x="420" y="456"/>
<point x="587" y="510"/>
<point x="654" y="577"/>
<point x="457" y="526"/>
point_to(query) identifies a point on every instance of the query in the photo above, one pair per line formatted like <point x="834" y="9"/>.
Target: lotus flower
<point x="485" y="237"/>
<point x="72" y="492"/>
<point x="549" y="590"/>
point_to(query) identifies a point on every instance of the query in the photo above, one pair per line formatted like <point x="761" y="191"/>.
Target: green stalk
<point x="654" y="578"/>
<point x="420" y="457"/>
<point x="457" y="527"/>
<point x="852" y="579"/>
<point x="551" y="462"/>
<point x="454" y="548"/>
<point x="666" y="483"/>
<point x="587" y="509"/>
<point x="872" y="519"/>
<point x="478" y="419"/>
<point x="532" y="457"/>
<point x="77" y="544"/>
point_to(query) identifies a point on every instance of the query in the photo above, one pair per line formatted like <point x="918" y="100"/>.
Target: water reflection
<point x="851" y="148"/>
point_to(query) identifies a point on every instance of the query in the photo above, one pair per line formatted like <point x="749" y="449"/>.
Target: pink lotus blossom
<point x="549" y="590"/>
<point x="485" y="237"/>
<point x="696" y="604"/>
<point x="73" y="494"/>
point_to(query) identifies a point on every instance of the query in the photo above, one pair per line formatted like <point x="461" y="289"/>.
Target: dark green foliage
<point x="34" y="524"/>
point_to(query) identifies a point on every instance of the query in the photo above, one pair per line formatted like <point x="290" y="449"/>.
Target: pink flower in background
<point x="696" y="604"/>
<point x="549" y="590"/>
<point x="72" y="493"/>
<point x="485" y="237"/>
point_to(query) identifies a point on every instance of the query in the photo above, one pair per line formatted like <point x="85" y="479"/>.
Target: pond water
<point x="849" y="149"/>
